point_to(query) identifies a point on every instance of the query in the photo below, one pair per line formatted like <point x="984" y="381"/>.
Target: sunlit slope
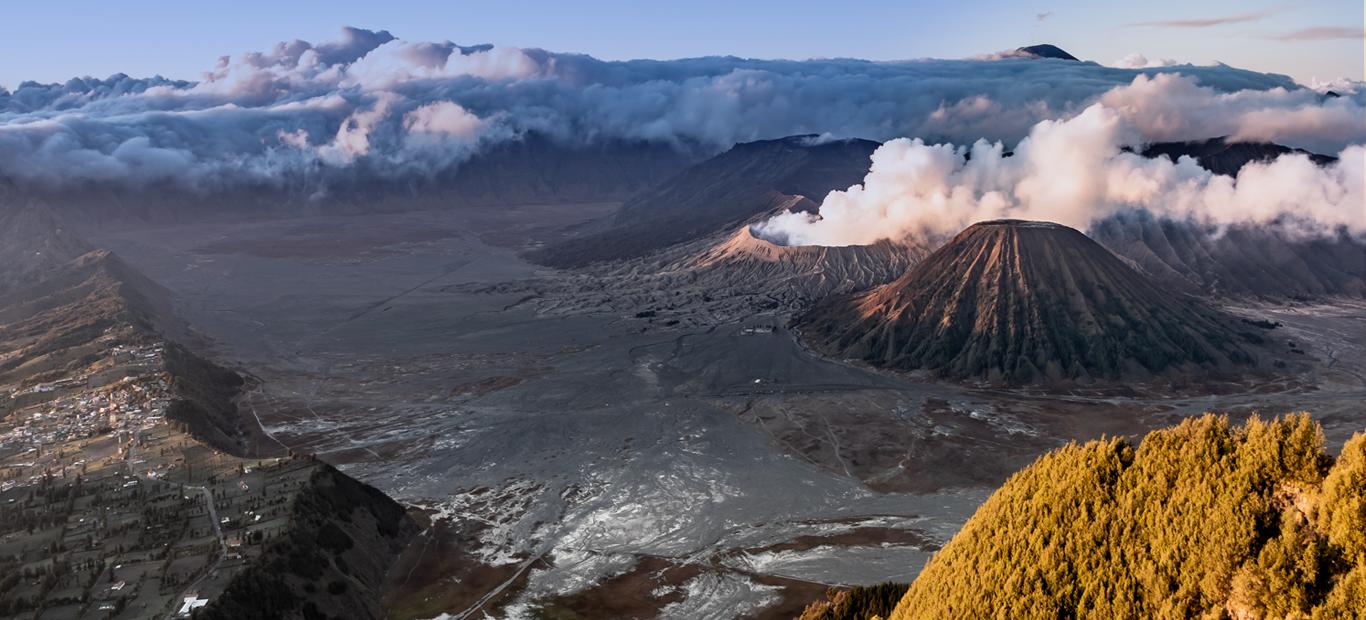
<point x="1202" y="520"/>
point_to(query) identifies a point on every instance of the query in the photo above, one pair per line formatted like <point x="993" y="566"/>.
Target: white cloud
<point x="1073" y="172"/>
<point x="1171" y="107"/>
<point x="1139" y="61"/>
<point x="374" y="105"/>
<point x="444" y="118"/>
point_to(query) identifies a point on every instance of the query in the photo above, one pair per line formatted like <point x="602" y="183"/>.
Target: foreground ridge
<point x="1204" y="518"/>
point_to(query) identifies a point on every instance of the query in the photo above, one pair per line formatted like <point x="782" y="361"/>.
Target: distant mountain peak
<point x="1046" y="50"/>
<point x="1221" y="156"/>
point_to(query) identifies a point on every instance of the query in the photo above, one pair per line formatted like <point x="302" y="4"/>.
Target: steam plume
<point x="1074" y="172"/>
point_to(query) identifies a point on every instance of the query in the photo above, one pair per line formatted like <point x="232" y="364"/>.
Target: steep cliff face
<point x="1020" y="302"/>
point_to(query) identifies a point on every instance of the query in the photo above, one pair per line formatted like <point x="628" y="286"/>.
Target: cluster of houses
<point x="131" y="403"/>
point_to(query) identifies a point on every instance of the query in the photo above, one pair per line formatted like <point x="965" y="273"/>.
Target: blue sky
<point x="1309" y="39"/>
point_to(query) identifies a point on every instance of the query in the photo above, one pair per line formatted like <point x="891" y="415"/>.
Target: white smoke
<point x="373" y="104"/>
<point x="1074" y="172"/>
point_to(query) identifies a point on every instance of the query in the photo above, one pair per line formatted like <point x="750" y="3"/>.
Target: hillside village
<point x="109" y="509"/>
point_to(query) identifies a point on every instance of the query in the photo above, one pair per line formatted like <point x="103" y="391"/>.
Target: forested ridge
<point x="857" y="603"/>
<point x="1206" y="519"/>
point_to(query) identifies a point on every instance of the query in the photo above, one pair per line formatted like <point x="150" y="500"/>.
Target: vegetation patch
<point x="1201" y="520"/>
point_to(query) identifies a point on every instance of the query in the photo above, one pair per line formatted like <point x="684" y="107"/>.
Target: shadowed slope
<point x="32" y="242"/>
<point x="719" y="194"/>
<point x="1237" y="261"/>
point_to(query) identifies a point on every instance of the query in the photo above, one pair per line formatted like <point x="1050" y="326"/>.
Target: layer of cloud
<point x="1074" y="172"/>
<point x="1139" y="61"/>
<point x="372" y="104"/>
<point x="1338" y="86"/>
<point x="1168" y="107"/>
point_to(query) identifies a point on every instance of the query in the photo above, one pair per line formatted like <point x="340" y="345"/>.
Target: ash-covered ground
<point x="610" y="443"/>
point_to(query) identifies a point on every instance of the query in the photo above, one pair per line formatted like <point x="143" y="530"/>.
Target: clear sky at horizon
<point x="1311" y="39"/>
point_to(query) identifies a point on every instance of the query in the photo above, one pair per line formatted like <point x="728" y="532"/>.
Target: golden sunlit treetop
<point x="1205" y="519"/>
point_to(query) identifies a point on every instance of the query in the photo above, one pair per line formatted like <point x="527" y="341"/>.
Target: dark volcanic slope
<point x="720" y="194"/>
<point x="341" y="533"/>
<point x="1220" y="156"/>
<point x="1045" y="50"/>
<point x="1238" y="261"/>
<point x="1016" y="302"/>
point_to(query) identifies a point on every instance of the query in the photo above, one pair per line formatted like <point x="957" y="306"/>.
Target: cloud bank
<point x="370" y="105"/>
<point x="1075" y="172"/>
